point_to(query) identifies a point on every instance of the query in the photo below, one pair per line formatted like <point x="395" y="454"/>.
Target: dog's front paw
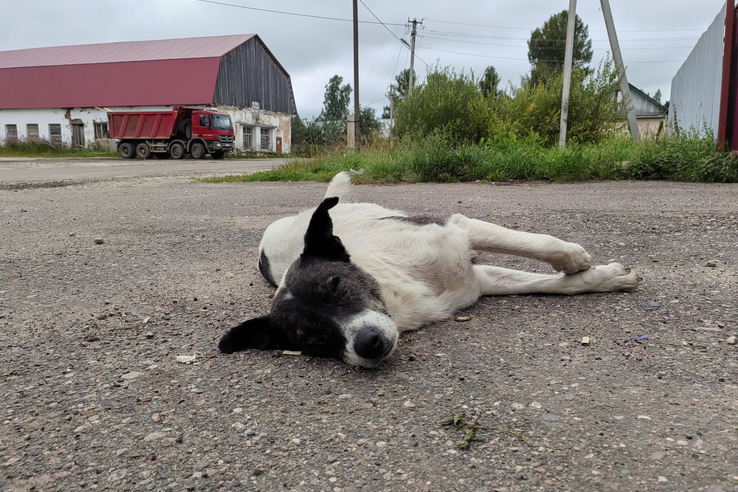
<point x="571" y="259"/>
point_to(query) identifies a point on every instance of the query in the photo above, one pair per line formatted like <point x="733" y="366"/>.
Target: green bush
<point x="594" y="114"/>
<point x="446" y="102"/>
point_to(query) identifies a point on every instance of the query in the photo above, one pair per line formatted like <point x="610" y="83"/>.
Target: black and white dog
<point x="350" y="280"/>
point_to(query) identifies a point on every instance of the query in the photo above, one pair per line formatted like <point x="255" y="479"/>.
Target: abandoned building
<point x="63" y="95"/>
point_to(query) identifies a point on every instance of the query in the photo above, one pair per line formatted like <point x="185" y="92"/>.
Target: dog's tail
<point x="340" y="186"/>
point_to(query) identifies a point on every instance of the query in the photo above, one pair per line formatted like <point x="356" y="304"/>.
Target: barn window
<point x="266" y="140"/>
<point x="11" y="133"/>
<point x="32" y="130"/>
<point x="248" y="138"/>
<point x="101" y="130"/>
<point x="55" y="136"/>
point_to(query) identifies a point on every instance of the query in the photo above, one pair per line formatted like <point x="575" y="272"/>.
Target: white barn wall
<point x="695" y="89"/>
<point x="279" y="123"/>
<point x="43" y="117"/>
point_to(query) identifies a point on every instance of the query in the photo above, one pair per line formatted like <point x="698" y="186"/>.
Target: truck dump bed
<point x="148" y="125"/>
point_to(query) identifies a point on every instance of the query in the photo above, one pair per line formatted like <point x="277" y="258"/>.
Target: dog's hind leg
<point x="496" y="281"/>
<point x="567" y="257"/>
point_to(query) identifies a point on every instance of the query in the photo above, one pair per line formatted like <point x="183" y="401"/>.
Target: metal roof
<point x="168" y="49"/>
<point x="140" y="73"/>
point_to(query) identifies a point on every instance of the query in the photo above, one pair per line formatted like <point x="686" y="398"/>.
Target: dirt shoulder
<point x="94" y="398"/>
<point x="22" y="172"/>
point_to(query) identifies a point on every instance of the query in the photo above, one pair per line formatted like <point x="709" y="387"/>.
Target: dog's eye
<point x="332" y="288"/>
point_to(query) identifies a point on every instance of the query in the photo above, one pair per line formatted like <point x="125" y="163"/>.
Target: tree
<point x="657" y="96"/>
<point x="369" y="122"/>
<point x="336" y="100"/>
<point x="489" y="82"/>
<point x="401" y="85"/>
<point x="547" y="47"/>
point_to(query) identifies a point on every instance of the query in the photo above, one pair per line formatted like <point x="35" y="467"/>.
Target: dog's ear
<point x="257" y="333"/>
<point x="319" y="239"/>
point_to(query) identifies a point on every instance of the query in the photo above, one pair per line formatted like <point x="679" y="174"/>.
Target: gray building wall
<point x="249" y="73"/>
<point x="644" y="105"/>
<point x="695" y="89"/>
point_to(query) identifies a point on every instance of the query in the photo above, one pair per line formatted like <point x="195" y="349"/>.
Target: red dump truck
<point x="174" y="133"/>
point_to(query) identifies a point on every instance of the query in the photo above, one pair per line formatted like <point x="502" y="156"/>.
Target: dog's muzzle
<point x="370" y="343"/>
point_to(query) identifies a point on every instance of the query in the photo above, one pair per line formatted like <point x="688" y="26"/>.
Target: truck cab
<point x="215" y="130"/>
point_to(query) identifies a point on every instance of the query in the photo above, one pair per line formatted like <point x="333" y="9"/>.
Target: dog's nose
<point x="369" y="343"/>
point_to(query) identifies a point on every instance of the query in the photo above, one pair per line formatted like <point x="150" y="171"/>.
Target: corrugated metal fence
<point x="695" y="89"/>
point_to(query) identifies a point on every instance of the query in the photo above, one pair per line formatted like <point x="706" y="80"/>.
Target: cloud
<point x="313" y="50"/>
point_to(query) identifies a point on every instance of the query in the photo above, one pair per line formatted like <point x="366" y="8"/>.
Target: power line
<point x="375" y="102"/>
<point x="482" y="36"/>
<point x="394" y="72"/>
<point x="385" y="26"/>
<point x="544" y="47"/>
<point x="525" y="59"/>
<point x="560" y="30"/>
<point x="296" y="14"/>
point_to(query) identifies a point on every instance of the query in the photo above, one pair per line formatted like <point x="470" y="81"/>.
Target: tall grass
<point x="507" y="157"/>
<point x="23" y="148"/>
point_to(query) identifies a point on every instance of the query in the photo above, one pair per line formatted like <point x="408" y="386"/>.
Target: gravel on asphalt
<point x="111" y="380"/>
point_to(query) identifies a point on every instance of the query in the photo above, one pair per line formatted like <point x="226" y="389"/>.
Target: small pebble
<point x="731" y="340"/>
<point x="99" y="241"/>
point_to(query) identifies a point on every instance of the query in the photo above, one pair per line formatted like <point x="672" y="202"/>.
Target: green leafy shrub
<point x="594" y="113"/>
<point x="446" y="102"/>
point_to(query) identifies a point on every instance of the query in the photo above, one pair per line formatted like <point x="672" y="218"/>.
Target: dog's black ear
<point x="257" y="333"/>
<point x="319" y="239"/>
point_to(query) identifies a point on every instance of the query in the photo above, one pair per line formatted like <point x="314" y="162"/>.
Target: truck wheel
<point x="185" y="130"/>
<point x="218" y="155"/>
<point x="143" y="151"/>
<point x="176" y="150"/>
<point x="126" y="150"/>
<point x="198" y="150"/>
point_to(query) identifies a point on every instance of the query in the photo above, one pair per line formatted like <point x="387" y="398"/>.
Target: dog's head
<point x="326" y="306"/>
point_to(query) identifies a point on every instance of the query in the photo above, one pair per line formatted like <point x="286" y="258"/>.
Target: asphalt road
<point x="93" y="397"/>
<point x="75" y="170"/>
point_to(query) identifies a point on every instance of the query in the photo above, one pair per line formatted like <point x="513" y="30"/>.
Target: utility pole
<point x="357" y="109"/>
<point x="568" y="61"/>
<point x="392" y="112"/>
<point x="624" y="87"/>
<point x="412" y="56"/>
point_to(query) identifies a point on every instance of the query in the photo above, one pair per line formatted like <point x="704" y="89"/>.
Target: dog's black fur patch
<point x="420" y="220"/>
<point x="264" y="269"/>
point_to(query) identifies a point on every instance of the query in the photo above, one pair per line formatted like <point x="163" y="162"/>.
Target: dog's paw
<point x="606" y="278"/>
<point x="571" y="259"/>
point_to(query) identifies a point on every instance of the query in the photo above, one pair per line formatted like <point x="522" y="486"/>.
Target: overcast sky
<point x="655" y="35"/>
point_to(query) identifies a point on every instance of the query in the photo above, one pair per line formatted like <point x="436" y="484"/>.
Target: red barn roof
<point x="139" y="73"/>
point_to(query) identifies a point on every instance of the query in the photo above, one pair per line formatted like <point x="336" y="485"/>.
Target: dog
<point x="351" y="277"/>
